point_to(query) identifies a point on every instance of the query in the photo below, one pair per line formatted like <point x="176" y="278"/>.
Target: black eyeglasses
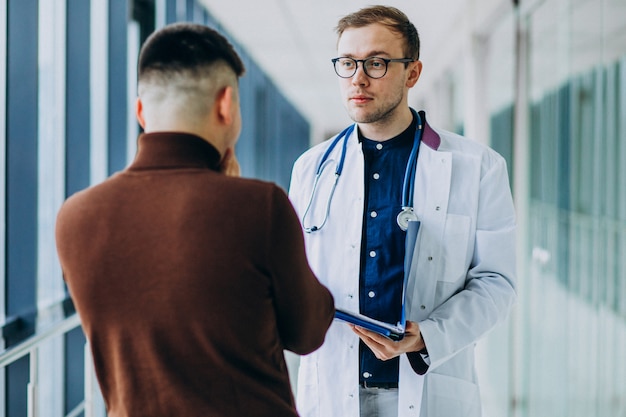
<point x="374" y="67"/>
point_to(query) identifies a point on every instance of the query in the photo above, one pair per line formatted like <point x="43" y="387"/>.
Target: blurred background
<point x="543" y="82"/>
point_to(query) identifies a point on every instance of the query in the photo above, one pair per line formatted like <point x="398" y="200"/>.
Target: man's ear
<point x="415" y="70"/>
<point x="224" y="105"/>
<point x="139" y="113"/>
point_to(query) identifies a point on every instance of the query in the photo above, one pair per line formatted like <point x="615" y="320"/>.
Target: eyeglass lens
<point x="373" y="67"/>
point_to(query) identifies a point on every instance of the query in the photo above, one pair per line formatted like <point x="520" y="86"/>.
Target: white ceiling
<point x="293" y="41"/>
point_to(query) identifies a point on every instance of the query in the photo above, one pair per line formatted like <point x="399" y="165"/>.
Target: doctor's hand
<point x="385" y="348"/>
<point x="229" y="164"/>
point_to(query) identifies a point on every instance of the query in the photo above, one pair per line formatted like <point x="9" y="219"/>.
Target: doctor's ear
<point x="415" y="70"/>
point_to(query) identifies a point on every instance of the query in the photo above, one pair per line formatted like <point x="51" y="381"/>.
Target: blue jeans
<point x="378" y="402"/>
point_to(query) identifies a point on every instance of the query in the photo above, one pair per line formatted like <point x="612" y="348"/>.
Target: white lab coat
<point x="462" y="278"/>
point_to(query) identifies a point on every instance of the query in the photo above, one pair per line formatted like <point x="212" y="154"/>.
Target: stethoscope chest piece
<point x="405" y="216"/>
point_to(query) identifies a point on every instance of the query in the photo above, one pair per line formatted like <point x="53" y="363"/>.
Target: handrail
<point x="24" y="348"/>
<point x="30" y="346"/>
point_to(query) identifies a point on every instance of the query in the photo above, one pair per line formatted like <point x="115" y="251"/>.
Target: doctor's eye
<point x="347" y="63"/>
<point x="376" y="63"/>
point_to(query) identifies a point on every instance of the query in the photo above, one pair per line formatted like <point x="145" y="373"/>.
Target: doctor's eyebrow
<point x="372" y="54"/>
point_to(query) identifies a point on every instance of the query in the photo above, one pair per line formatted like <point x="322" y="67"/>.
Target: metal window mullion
<point x="89" y="385"/>
<point x="99" y="58"/>
<point x="521" y="189"/>
<point x="50" y="147"/>
<point x="94" y="403"/>
<point x="181" y="10"/>
<point x="33" y="383"/>
<point x="46" y="357"/>
<point x="160" y="13"/>
<point x="132" y="52"/>
<point x="3" y="155"/>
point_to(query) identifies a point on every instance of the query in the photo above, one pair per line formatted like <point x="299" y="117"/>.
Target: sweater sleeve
<point x="304" y="307"/>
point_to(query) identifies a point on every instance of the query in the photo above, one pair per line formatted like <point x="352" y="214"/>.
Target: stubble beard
<point x="378" y="116"/>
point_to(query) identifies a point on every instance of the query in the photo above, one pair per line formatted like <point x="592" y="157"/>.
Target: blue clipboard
<point x="392" y="331"/>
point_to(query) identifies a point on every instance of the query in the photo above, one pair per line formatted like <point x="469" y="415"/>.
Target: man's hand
<point x="385" y="348"/>
<point x="229" y="164"/>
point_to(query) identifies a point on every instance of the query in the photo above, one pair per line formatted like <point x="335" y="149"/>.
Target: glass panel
<point x="574" y="307"/>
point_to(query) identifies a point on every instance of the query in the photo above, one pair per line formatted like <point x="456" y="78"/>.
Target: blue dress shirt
<point x="382" y="244"/>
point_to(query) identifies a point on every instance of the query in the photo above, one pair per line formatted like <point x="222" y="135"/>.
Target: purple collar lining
<point x="429" y="136"/>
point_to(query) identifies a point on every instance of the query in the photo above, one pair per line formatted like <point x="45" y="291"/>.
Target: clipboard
<point x="392" y="331"/>
<point x="388" y="330"/>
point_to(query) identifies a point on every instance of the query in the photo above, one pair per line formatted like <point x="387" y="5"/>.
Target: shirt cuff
<point x="420" y="362"/>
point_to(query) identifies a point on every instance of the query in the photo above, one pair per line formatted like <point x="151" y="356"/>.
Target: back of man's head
<point x="185" y="47"/>
<point x="181" y="68"/>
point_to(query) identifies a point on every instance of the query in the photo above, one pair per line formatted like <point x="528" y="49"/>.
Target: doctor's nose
<point x="359" y="77"/>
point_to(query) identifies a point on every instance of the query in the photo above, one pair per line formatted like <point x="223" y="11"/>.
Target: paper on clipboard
<point x="392" y="331"/>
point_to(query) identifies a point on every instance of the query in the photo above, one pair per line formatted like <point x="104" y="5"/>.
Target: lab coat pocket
<point x="455" y="248"/>
<point x="449" y="396"/>
<point x="307" y="390"/>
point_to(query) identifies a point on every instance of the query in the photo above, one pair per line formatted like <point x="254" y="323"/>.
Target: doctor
<point x="350" y="192"/>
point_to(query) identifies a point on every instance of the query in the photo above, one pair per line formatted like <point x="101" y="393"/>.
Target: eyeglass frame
<point x="356" y="66"/>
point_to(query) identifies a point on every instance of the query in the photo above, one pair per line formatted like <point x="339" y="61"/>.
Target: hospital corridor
<point x="541" y="82"/>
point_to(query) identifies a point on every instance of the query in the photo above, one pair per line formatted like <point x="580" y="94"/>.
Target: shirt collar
<point x="429" y="136"/>
<point x="404" y="138"/>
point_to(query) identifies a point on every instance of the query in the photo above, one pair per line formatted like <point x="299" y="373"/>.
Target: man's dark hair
<point x="186" y="47"/>
<point x="391" y="17"/>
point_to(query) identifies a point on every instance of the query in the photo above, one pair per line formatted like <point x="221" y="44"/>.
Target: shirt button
<point x="379" y="146"/>
<point x="372" y="254"/>
<point x="371" y="294"/>
<point x="376" y="175"/>
<point x="373" y="214"/>
<point x="366" y="374"/>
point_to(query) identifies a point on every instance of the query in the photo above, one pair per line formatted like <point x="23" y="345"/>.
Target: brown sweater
<point x="189" y="285"/>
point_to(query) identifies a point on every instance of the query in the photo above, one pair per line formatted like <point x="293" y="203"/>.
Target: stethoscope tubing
<point x="407" y="184"/>
<point x="345" y="134"/>
<point x="409" y="175"/>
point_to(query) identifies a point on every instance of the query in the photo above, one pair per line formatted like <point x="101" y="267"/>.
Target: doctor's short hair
<point x="185" y="49"/>
<point x="388" y="16"/>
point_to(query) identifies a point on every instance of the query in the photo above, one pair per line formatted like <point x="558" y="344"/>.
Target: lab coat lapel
<point x="431" y="193"/>
<point x="352" y="190"/>
<point x="335" y="248"/>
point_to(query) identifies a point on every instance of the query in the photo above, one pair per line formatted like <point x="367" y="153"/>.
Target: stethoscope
<point x="407" y="213"/>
